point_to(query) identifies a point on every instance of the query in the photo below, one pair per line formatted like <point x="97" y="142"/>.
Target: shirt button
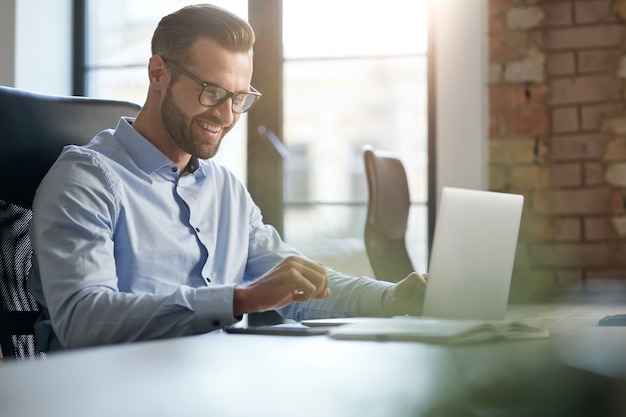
<point x="197" y="229"/>
<point x="174" y="169"/>
<point x="216" y="323"/>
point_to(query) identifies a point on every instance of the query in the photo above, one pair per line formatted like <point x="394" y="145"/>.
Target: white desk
<point x="244" y="375"/>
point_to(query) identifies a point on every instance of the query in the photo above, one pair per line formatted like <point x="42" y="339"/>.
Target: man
<point x="140" y="235"/>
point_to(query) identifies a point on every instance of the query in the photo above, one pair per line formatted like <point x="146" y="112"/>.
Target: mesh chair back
<point x="19" y="309"/>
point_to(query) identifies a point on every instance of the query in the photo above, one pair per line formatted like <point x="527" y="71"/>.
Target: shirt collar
<point x="147" y="156"/>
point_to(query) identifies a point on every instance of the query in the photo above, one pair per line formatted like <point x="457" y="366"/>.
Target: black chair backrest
<point x="387" y="215"/>
<point x="34" y="128"/>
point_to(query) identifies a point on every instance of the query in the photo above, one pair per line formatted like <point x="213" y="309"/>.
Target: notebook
<point x="472" y="255"/>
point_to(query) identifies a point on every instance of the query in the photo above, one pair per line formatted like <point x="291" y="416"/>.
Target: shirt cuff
<point x="371" y="299"/>
<point x="214" y="308"/>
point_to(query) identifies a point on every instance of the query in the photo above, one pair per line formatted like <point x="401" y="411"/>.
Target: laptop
<point x="472" y="255"/>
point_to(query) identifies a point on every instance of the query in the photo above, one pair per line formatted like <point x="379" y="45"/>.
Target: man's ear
<point x="158" y="73"/>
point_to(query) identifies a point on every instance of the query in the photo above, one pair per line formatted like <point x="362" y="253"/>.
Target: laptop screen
<point x="473" y="253"/>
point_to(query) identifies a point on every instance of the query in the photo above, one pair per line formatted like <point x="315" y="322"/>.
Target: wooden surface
<point x="577" y="372"/>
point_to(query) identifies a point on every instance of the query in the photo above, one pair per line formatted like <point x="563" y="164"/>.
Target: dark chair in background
<point x="387" y="215"/>
<point x="34" y="128"/>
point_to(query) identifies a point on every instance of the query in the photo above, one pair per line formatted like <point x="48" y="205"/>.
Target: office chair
<point x="34" y="128"/>
<point x="387" y="215"/>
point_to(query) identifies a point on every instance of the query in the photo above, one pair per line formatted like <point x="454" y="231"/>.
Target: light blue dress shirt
<point x="127" y="249"/>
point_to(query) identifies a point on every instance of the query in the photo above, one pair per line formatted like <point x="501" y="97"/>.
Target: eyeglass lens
<point x="215" y="95"/>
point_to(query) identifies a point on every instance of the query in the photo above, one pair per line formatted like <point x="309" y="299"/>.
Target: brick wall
<point x="558" y="136"/>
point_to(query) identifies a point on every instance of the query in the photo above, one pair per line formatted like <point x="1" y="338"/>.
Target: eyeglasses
<point x="213" y="95"/>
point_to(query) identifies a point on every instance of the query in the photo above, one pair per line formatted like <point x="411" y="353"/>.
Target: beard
<point x="180" y="128"/>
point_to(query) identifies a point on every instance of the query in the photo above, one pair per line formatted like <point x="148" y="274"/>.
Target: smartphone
<point x="278" y="330"/>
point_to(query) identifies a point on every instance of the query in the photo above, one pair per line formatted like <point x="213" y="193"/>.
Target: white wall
<point x="461" y="93"/>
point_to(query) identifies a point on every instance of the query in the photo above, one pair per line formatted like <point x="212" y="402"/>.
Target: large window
<point x="354" y="72"/>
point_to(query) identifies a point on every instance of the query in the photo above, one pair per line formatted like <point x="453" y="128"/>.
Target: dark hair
<point x="176" y="33"/>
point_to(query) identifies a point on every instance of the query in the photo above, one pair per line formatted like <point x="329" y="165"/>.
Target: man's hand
<point x="294" y="279"/>
<point x="405" y="297"/>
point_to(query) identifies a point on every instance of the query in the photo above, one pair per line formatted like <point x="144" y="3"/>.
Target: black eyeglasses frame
<point x="204" y="84"/>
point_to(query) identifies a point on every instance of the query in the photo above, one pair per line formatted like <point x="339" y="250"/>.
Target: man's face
<point x="195" y="129"/>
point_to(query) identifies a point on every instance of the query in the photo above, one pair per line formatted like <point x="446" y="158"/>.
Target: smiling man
<point x="140" y="235"/>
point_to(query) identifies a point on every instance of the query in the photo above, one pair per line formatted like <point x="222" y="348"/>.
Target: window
<point x="354" y="73"/>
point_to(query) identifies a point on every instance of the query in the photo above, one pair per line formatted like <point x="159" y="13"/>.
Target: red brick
<point x="536" y="229"/>
<point x="567" y="174"/>
<point x="586" y="147"/>
<point x="529" y="283"/>
<point x="619" y="7"/>
<point x="558" y="14"/>
<point x="524" y="18"/>
<point x="497" y="47"/>
<point x="618" y="202"/>
<point x="593" y="11"/>
<point x="593" y="116"/>
<point x="582" y="201"/>
<point x="594" y="173"/>
<point x="508" y="47"/>
<point x="530" y="176"/>
<point x="496" y="22"/>
<point x="605" y="274"/>
<point x="615" y="150"/>
<point x="507" y="97"/>
<point x="617" y="254"/>
<point x="498" y="178"/>
<point x="605" y="36"/>
<point x="585" y="89"/>
<point x="561" y="64"/>
<point x="549" y="228"/>
<point x="529" y="123"/>
<point x="517" y="96"/>
<point x="569" y="254"/>
<point x="565" y="120"/>
<point x="497" y="124"/>
<point x="599" y="228"/>
<point x="516" y="151"/>
<point x="568" y="229"/>
<point x="599" y="60"/>
<point x="537" y="95"/>
<point x="495" y="3"/>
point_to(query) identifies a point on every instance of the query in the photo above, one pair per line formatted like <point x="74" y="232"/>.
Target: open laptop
<point x="473" y="253"/>
<point x="472" y="256"/>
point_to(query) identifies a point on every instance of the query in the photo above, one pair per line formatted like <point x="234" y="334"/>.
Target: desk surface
<point x="575" y="372"/>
